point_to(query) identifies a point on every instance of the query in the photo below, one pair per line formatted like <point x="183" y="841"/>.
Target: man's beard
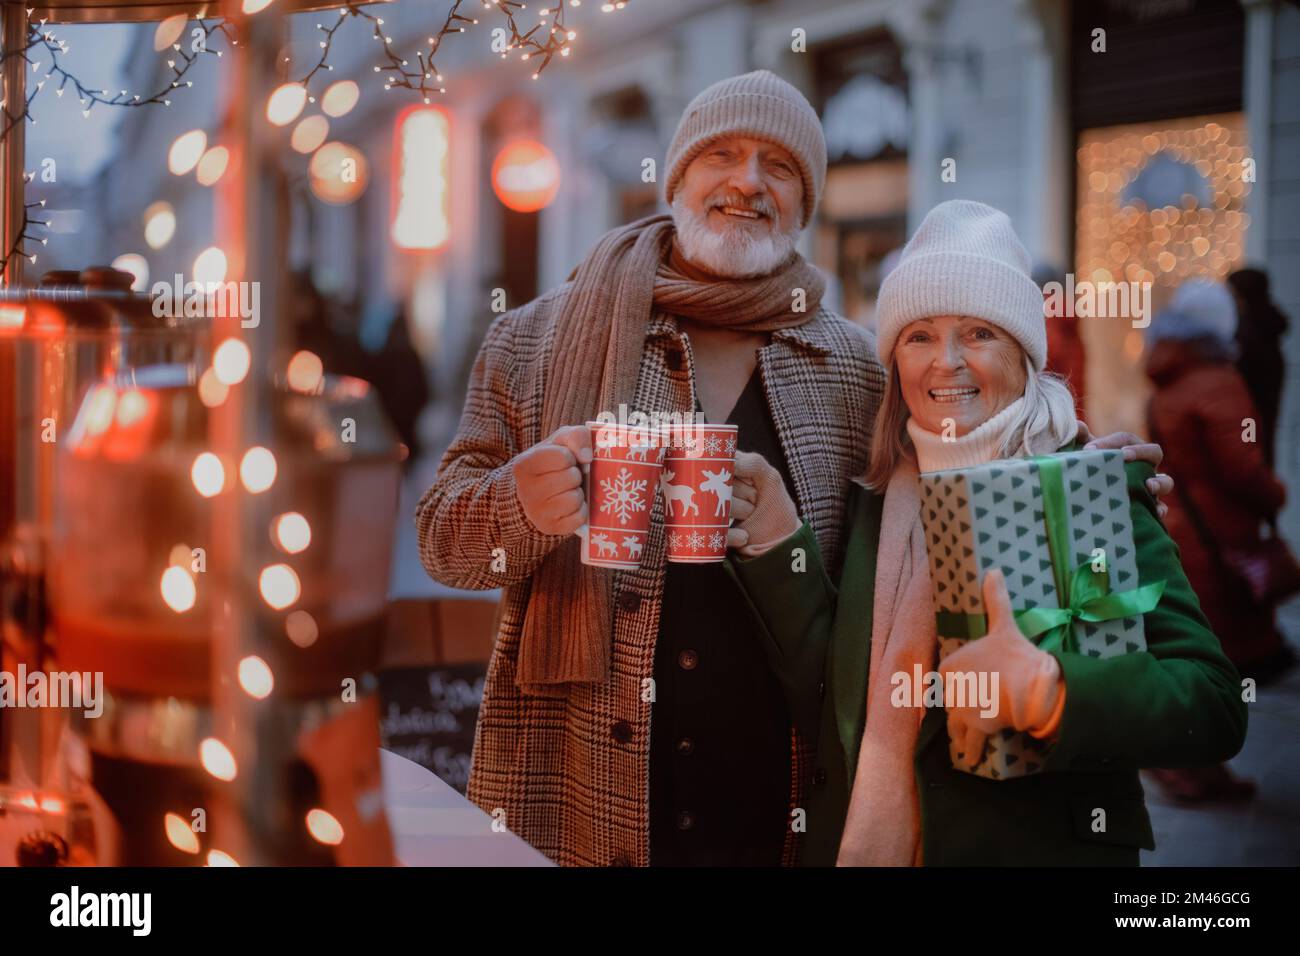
<point x="734" y="254"/>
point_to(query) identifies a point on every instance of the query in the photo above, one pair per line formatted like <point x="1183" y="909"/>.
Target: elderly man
<point x="629" y="717"/>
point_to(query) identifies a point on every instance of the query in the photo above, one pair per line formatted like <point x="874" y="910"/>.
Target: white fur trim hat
<point x="965" y="259"/>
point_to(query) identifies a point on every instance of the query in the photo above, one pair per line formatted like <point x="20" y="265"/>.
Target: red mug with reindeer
<point x="621" y="483"/>
<point x="696" y="484"/>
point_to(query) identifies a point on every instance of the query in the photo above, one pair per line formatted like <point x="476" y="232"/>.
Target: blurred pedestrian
<point x="1260" y="327"/>
<point x="1225" y="491"/>
<point x="398" y="375"/>
<point x="1065" y="353"/>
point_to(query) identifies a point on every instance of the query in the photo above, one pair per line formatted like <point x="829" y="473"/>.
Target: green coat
<point x="1178" y="703"/>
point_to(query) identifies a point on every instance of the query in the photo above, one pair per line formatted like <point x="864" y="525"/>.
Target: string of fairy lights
<point x="547" y="38"/>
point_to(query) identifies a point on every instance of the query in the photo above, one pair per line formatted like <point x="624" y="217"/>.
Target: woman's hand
<point x="761" y="510"/>
<point x="1134" y="449"/>
<point x="1028" y="680"/>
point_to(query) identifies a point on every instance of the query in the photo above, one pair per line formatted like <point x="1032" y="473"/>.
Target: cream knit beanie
<point x="965" y="259"/>
<point x="760" y="105"/>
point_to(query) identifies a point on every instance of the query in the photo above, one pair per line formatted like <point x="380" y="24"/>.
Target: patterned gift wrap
<point x="1041" y="521"/>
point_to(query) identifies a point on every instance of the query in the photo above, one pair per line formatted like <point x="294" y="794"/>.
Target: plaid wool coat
<point x="571" y="772"/>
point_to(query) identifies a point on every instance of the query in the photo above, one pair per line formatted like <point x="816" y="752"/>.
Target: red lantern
<point x="526" y="176"/>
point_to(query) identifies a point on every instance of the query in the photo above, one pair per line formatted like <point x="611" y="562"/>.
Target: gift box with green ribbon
<point x="1058" y="527"/>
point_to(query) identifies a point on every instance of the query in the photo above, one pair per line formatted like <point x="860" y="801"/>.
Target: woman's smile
<point x="952" y="396"/>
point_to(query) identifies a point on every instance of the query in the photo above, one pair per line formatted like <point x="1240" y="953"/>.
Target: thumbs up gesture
<point x="1029" y="690"/>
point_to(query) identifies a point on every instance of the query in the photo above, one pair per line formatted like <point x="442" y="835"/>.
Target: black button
<point x="685" y="820"/>
<point x="673" y="360"/>
<point x="819" y="777"/>
<point x="629" y="602"/>
<point x="686" y="746"/>
<point x="821" y="690"/>
<point x="622" y="732"/>
<point x="687" y="660"/>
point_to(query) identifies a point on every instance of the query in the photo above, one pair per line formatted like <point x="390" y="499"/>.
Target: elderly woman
<point x="962" y="333"/>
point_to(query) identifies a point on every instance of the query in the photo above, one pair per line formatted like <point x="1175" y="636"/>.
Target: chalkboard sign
<point x="428" y="714"/>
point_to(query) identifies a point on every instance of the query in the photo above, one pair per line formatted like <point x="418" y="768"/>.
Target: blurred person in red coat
<point x="1065" y="352"/>
<point x="1225" y="491"/>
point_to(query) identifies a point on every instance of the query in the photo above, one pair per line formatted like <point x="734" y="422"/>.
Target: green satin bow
<point x="1085" y="595"/>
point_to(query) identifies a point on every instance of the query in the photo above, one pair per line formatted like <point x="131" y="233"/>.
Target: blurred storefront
<point x="1124" y="160"/>
<point x="1161" y="182"/>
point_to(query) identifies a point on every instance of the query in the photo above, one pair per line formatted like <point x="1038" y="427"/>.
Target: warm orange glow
<point x="323" y="825"/>
<point x="218" y="858"/>
<point x="309" y="133"/>
<point x="217" y="759"/>
<point x="526" y="176"/>
<point x="213" y="165"/>
<point x="178" y="589"/>
<point x="168" y="32"/>
<point x="257" y="469"/>
<point x="284" y="105"/>
<point x="231" y="361"/>
<point x="421" y="152"/>
<point x="279" y="586"/>
<point x="301" y="628"/>
<point x="208" y="475"/>
<point x="339" y="98"/>
<point x="99" y="409"/>
<point x="52" y="805"/>
<point x="131" y="407"/>
<point x="292" y="532"/>
<point x="179" y="834"/>
<point x="159" y="224"/>
<point x="212" y="391"/>
<point x="306" y="372"/>
<point x="339" y="173"/>
<point x="256" y="678"/>
<point x="210" y="266"/>
<point x="135" y="264"/>
<point x="186" y="151"/>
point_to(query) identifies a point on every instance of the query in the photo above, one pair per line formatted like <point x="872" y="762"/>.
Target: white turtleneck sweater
<point x="979" y="445"/>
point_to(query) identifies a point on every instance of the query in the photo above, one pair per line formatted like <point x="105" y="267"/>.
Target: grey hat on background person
<point x="1202" y="310"/>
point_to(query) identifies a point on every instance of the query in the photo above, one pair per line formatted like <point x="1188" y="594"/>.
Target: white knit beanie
<point x="965" y="259"/>
<point x="760" y="105"/>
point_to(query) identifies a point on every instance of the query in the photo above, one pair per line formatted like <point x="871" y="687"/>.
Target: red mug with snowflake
<point x="696" y="485"/>
<point x="621" y="483"/>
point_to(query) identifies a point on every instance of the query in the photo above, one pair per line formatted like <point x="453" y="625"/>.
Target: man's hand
<point x="548" y="480"/>
<point x="1029" y="679"/>
<point x="1134" y="449"/>
<point x="761" y="509"/>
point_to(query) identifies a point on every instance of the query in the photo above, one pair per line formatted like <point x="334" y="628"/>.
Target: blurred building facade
<point x="1116" y="134"/>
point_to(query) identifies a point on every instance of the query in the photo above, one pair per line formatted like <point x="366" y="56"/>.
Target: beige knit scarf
<point x="594" y="363"/>
<point x="883" y="824"/>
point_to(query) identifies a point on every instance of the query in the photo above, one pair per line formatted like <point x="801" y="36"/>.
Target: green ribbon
<point x="1084" y="595"/>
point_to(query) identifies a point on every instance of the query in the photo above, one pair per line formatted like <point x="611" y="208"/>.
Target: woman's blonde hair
<point x="1045" y="423"/>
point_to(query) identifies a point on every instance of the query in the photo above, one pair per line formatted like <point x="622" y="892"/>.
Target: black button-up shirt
<point x="720" y="728"/>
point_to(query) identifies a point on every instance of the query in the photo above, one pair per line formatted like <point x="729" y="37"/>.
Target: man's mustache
<point x="758" y="204"/>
